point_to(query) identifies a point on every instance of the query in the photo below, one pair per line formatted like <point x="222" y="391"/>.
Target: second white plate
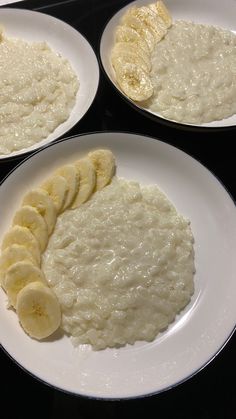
<point x="64" y="39"/>
<point x="198" y="333"/>
<point x="209" y="12"/>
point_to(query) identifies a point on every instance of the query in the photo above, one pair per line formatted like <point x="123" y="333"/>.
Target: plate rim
<point x="150" y="115"/>
<point x="184" y="379"/>
<point x="22" y="153"/>
<point x="117" y="131"/>
<point x="107" y="398"/>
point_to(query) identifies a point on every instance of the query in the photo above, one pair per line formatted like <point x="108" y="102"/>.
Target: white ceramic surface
<point x="199" y="331"/>
<point x="3" y="2"/>
<point x="62" y="38"/>
<point x="211" y="12"/>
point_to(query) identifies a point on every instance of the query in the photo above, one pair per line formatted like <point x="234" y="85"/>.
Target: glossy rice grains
<point x="38" y="90"/>
<point x="194" y="74"/>
<point x="121" y="265"/>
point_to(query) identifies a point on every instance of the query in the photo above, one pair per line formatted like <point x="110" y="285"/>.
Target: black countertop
<point x="212" y="392"/>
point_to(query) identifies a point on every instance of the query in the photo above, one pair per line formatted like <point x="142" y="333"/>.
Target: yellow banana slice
<point x="18" y="276"/>
<point x="153" y="7"/>
<point x="144" y="31"/>
<point x="22" y="236"/>
<point x="154" y="22"/>
<point x="134" y="82"/>
<point x="127" y="34"/>
<point x="57" y="188"/>
<point x="130" y="52"/>
<point x="40" y="199"/>
<point x="38" y="310"/>
<point x="29" y="217"/>
<point x="71" y="175"/>
<point x="104" y="164"/>
<point x="162" y="11"/>
<point x="127" y="57"/>
<point x="87" y="176"/>
<point x="11" y="255"/>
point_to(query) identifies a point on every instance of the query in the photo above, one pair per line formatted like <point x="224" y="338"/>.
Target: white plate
<point x="62" y="38"/>
<point x="211" y="12"/>
<point x="202" y="328"/>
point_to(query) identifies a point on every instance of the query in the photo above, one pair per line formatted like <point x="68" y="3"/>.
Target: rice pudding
<point x="38" y="90"/>
<point x="194" y="74"/>
<point x="121" y="265"/>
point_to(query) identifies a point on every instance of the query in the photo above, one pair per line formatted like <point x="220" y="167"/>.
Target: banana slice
<point x="38" y="310"/>
<point x="154" y="22"/>
<point x="153" y="7"/>
<point x="39" y="199"/>
<point x="144" y="31"/>
<point x="57" y="188"/>
<point x="131" y="53"/>
<point x="18" y="276"/>
<point x="22" y="236"/>
<point x="87" y="176"/>
<point x="11" y="255"/>
<point x="104" y="164"/>
<point x="162" y="12"/>
<point x="71" y="175"/>
<point x="127" y="57"/>
<point x="127" y="34"/>
<point x="29" y="217"/>
<point x="134" y="82"/>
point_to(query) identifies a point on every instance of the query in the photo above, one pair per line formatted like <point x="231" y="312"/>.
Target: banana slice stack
<point x="140" y="30"/>
<point x="22" y="279"/>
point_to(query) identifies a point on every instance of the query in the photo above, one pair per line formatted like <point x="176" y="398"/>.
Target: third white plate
<point x="203" y="327"/>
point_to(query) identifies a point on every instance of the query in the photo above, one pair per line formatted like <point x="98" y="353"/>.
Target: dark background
<point x="212" y="392"/>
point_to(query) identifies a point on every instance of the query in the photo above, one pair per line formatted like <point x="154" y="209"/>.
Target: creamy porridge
<point x="38" y="89"/>
<point x="194" y="74"/>
<point x="121" y="265"/>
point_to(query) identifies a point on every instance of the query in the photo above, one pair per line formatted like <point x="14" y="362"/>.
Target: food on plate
<point x="23" y="237"/>
<point x="147" y="16"/>
<point x="194" y="74"/>
<point x="57" y="188"/>
<point x="121" y="265"/>
<point x="38" y="310"/>
<point x="131" y="54"/>
<point x="117" y="266"/>
<point x="104" y="164"/>
<point x="40" y="199"/>
<point x="87" y="181"/>
<point x="162" y="11"/>
<point x="140" y="29"/>
<point x="30" y="218"/>
<point x="11" y="255"/>
<point x="190" y="75"/>
<point x="22" y="246"/>
<point x="128" y="34"/>
<point x="134" y="81"/>
<point x="71" y="175"/>
<point x="38" y="91"/>
<point x="18" y="275"/>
